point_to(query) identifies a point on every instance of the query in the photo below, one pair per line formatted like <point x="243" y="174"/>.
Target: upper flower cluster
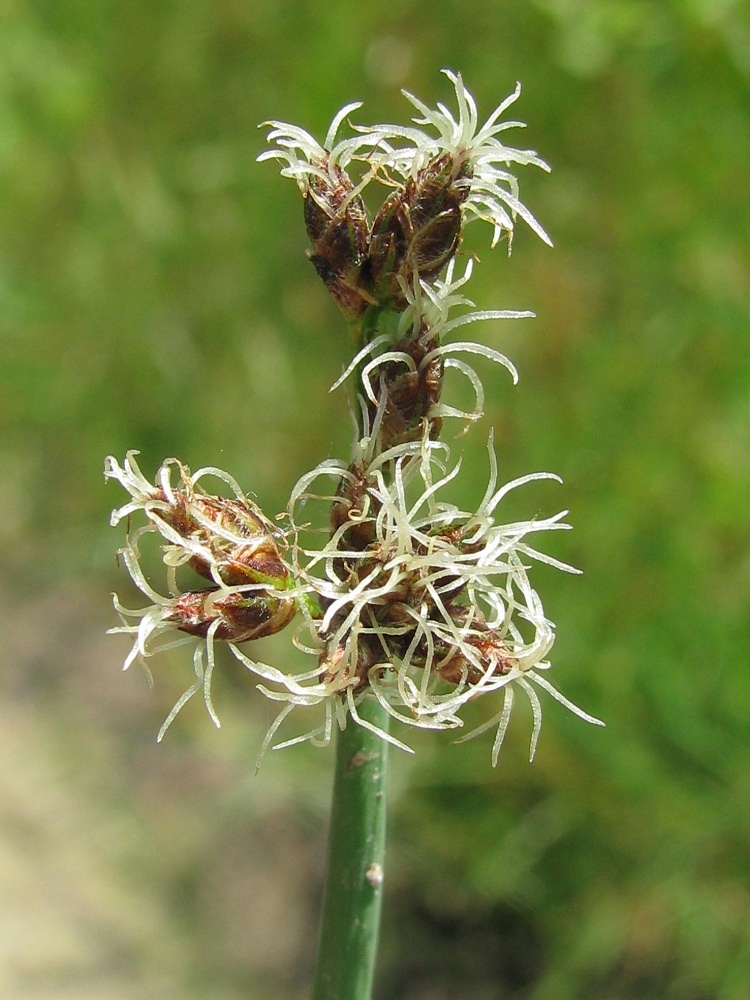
<point x="441" y="172"/>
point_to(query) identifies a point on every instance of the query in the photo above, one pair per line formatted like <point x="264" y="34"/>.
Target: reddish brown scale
<point x="258" y="561"/>
<point x="354" y="508"/>
<point x="232" y="515"/>
<point x="369" y="653"/>
<point x="339" y="231"/>
<point x="352" y="500"/>
<point x="434" y="244"/>
<point x="491" y="653"/>
<point x="397" y="612"/>
<point x="330" y="665"/>
<point x="242" y="617"/>
<point x="259" y="616"/>
<point x="433" y="201"/>
<point x="417" y="229"/>
<point x="388" y="247"/>
<point x="458" y="670"/>
<point x="409" y="395"/>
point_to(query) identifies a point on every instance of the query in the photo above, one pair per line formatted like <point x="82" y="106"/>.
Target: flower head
<point x="227" y="542"/>
<point x="427" y="606"/>
<point x="335" y="215"/>
<point x="475" y="158"/>
<point x="401" y="376"/>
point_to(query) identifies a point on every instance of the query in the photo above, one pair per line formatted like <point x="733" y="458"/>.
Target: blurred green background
<point x="154" y="294"/>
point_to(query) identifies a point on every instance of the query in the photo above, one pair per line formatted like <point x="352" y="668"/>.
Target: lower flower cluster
<point x="409" y="599"/>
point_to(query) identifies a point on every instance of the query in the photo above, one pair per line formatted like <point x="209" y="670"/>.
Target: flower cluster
<point x="427" y="606"/>
<point x="403" y="596"/>
<point x="227" y="545"/>
<point x="439" y="181"/>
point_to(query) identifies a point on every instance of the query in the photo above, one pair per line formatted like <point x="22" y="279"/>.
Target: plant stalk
<point x="350" y="921"/>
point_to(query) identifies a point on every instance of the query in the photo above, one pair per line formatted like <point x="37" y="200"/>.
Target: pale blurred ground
<point x="106" y="848"/>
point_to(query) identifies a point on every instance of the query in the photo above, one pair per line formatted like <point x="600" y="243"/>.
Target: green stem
<point x="356" y="846"/>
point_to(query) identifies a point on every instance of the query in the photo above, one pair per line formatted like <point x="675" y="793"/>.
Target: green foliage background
<point x="154" y="294"/>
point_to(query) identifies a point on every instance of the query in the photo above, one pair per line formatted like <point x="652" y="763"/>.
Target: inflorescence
<point x="402" y="596"/>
